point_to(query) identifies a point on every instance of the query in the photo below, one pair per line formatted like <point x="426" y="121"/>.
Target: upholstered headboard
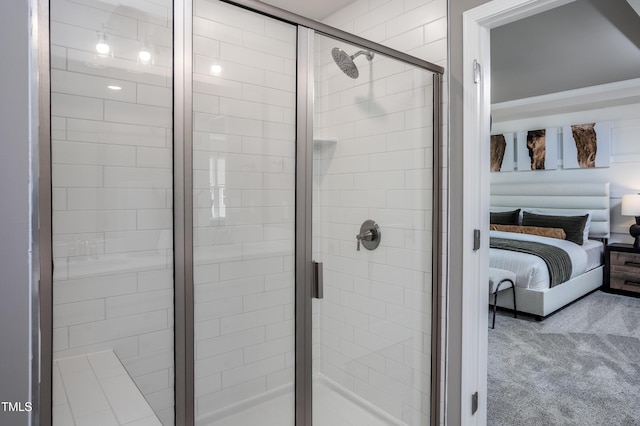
<point x="563" y="197"/>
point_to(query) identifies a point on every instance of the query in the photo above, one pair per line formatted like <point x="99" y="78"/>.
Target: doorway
<point x="477" y="24"/>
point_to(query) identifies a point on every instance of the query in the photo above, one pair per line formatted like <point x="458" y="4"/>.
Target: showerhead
<point x="345" y="62"/>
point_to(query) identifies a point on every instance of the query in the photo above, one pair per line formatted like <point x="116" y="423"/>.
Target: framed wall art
<point x="502" y="152"/>
<point x="537" y="149"/>
<point x="586" y="145"/>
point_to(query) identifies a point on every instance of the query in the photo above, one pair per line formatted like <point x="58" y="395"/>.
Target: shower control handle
<point x="369" y="235"/>
<point x="366" y="236"/>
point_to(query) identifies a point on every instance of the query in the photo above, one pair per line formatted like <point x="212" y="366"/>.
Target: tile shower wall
<point x="112" y="188"/>
<point x="374" y="161"/>
<point x="244" y="177"/>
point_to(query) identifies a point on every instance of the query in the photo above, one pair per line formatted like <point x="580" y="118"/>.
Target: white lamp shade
<point x="631" y="205"/>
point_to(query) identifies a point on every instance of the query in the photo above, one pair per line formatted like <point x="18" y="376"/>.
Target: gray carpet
<point x="580" y="366"/>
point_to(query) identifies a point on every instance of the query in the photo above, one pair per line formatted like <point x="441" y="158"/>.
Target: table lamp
<point x="631" y="207"/>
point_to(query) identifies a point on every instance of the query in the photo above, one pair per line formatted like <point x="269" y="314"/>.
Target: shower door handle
<point x="318" y="281"/>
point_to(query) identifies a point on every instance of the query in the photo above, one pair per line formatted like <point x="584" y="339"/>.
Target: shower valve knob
<point x="369" y="235"/>
<point x="366" y="236"/>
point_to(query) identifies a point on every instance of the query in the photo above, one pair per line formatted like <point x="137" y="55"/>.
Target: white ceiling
<point x="314" y="9"/>
<point x="581" y="44"/>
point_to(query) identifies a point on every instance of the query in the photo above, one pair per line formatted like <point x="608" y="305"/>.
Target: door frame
<point x="477" y="23"/>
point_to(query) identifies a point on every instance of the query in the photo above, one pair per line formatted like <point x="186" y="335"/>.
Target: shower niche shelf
<point x="324" y="142"/>
<point x="324" y="148"/>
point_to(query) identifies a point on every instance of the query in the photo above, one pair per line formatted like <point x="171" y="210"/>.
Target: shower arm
<point x="368" y="54"/>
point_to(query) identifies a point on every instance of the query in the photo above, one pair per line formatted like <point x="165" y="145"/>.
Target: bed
<point x="535" y="294"/>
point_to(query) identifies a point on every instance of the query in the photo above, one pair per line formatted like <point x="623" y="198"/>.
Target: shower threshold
<point x="334" y="405"/>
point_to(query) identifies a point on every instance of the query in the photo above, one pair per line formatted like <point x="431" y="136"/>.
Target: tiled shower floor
<point x="95" y="390"/>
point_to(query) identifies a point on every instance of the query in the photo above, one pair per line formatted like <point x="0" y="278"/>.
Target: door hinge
<point x="474" y="403"/>
<point x="476" y="239"/>
<point x="477" y="72"/>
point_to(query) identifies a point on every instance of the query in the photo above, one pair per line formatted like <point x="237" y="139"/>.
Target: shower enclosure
<point x="244" y="220"/>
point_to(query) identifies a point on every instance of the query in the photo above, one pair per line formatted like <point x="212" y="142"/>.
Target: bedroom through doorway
<point x="577" y="365"/>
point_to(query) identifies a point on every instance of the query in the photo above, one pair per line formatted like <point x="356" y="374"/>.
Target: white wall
<point x="375" y="318"/>
<point x="244" y="145"/>
<point x="625" y="157"/>
<point x="15" y="244"/>
<point x="112" y="189"/>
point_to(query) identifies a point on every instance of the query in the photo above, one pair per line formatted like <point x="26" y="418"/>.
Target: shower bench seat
<point x="95" y="389"/>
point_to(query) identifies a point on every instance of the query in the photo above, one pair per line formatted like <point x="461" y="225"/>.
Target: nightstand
<point x="621" y="269"/>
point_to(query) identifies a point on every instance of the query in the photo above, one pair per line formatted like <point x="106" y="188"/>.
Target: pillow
<point x="573" y="226"/>
<point x="531" y="230"/>
<point x="505" y="218"/>
<point x="566" y="212"/>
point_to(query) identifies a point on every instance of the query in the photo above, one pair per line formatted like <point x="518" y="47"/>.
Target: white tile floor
<point x="95" y="390"/>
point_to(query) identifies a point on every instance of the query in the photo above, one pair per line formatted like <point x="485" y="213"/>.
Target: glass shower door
<point x="244" y="86"/>
<point x="372" y="231"/>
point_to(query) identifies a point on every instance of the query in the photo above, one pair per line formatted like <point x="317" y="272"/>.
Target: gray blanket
<point x="557" y="260"/>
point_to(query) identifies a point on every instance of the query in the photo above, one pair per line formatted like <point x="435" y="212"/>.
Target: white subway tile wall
<point x="112" y="200"/>
<point x="244" y="181"/>
<point x="374" y="323"/>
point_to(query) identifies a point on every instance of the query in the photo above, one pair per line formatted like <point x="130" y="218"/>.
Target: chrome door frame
<point x="42" y="300"/>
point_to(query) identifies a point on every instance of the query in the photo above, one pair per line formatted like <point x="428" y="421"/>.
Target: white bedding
<point x="595" y="253"/>
<point x="531" y="271"/>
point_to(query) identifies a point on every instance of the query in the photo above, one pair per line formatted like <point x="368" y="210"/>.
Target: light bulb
<point x="216" y="70"/>
<point x="144" y="56"/>
<point x="102" y="47"/>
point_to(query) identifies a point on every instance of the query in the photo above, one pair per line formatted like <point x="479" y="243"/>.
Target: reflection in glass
<point x="243" y="177"/>
<point x="111" y="118"/>
<point x="216" y="184"/>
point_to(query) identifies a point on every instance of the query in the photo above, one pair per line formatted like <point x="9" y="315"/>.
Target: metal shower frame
<point x="183" y="211"/>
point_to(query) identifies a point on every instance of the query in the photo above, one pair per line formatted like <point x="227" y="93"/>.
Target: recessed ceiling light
<point x="113" y="87"/>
